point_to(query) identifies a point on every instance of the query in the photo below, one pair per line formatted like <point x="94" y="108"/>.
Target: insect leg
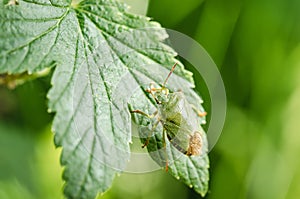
<point x="199" y="113"/>
<point x="152" y="88"/>
<point x="173" y="68"/>
<point x="145" y="114"/>
<point x="149" y="134"/>
<point x="165" y="148"/>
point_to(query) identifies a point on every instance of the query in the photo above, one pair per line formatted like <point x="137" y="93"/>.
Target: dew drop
<point x="191" y="186"/>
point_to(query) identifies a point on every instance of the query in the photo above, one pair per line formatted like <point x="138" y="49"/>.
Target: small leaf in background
<point x="13" y="80"/>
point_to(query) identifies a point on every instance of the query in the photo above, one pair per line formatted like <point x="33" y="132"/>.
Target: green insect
<point x="177" y="117"/>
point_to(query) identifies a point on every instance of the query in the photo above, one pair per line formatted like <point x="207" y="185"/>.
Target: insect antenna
<point x="170" y="73"/>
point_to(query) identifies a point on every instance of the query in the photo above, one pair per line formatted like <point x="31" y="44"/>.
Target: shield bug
<point x="178" y="118"/>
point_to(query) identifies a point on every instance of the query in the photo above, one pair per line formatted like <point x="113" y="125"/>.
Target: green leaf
<point x="99" y="50"/>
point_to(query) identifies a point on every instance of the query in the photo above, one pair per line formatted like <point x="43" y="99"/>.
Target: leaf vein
<point x="39" y="36"/>
<point x="122" y="42"/>
<point x="72" y="74"/>
<point x="43" y="4"/>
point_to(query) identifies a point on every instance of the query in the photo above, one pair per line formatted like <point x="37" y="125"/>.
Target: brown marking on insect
<point x="195" y="144"/>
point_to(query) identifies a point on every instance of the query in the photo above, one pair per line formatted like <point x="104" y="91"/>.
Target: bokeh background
<point x="255" y="44"/>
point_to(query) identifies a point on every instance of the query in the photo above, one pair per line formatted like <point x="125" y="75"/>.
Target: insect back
<point x="181" y="122"/>
<point x="176" y="121"/>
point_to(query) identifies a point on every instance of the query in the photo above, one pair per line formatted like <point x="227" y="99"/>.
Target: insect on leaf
<point x="192" y="170"/>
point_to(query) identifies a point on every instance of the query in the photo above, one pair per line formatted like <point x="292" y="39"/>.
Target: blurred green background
<point x="256" y="45"/>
